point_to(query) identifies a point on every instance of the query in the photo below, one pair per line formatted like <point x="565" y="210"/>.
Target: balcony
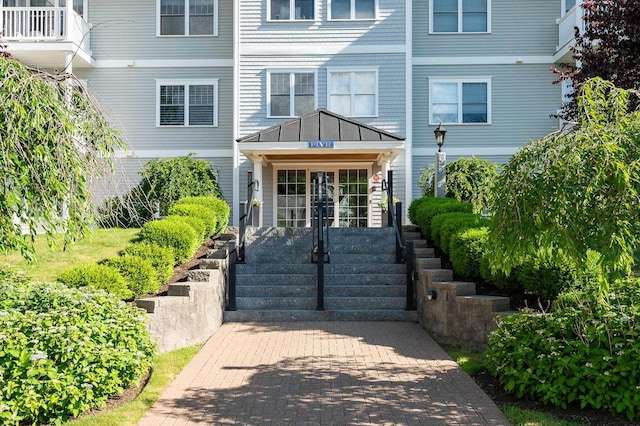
<point x="44" y="37"/>
<point x="571" y="19"/>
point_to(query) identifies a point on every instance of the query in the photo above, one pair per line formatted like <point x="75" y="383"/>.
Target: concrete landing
<point x="323" y="373"/>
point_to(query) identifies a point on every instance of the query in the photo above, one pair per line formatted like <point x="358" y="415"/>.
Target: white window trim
<point x="292" y="15"/>
<point x="460" y="21"/>
<point x="186" y="22"/>
<point x="187" y="83"/>
<point x="353" y="13"/>
<point x="459" y="82"/>
<point x="292" y="92"/>
<point x="353" y="70"/>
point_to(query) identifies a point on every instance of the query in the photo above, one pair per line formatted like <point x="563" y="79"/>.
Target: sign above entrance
<point x="320" y="144"/>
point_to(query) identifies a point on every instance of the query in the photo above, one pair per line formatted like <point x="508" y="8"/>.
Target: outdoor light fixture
<point x="432" y="295"/>
<point x="440" y="133"/>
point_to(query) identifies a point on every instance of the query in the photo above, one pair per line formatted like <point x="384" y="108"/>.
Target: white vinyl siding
<point x="353" y="93"/>
<point x="460" y="101"/>
<point x="460" y="16"/>
<point x="353" y="9"/>
<point x="193" y="103"/>
<point x="290" y="93"/>
<point x="291" y="10"/>
<point x="188" y="17"/>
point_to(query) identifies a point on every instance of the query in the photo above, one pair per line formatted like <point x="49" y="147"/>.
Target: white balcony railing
<point x="567" y="24"/>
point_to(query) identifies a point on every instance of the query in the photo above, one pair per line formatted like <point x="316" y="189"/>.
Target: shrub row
<point x="64" y="351"/>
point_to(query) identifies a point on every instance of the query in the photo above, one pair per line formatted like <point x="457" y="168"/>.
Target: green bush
<point x="139" y="273"/>
<point x="100" y="277"/>
<point x="196" y="224"/>
<point x="585" y="351"/>
<point x="64" y="351"/>
<point x="161" y="258"/>
<point x="431" y="207"/>
<point x="218" y="205"/>
<point x="445" y="226"/>
<point x="413" y="208"/>
<point x="467" y="249"/>
<point x="206" y="216"/>
<point x="508" y="283"/>
<point x="130" y="210"/>
<point x="172" y="233"/>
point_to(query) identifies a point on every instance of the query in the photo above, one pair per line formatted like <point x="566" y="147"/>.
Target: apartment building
<point x="284" y="88"/>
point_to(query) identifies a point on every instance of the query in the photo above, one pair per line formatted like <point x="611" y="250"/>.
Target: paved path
<point x="323" y="373"/>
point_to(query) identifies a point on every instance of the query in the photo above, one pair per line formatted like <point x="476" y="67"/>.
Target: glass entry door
<point x="353" y="192"/>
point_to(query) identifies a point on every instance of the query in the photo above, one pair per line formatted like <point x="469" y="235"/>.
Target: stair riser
<point x="301" y="257"/>
<point x="276" y="291"/>
<point x="346" y="280"/>
<point x="330" y="291"/>
<point x="364" y="303"/>
<point x="314" y="315"/>
<point x="276" y="303"/>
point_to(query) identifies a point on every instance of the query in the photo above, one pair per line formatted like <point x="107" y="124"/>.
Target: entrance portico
<point x="354" y="156"/>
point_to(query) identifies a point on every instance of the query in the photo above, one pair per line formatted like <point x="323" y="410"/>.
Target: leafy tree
<point x="53" y="140"/>
<point x="574" y="191"/>
<point x="609" y="48"/>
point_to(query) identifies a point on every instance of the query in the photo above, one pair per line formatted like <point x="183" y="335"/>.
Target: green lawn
<point x="49" y="262"/>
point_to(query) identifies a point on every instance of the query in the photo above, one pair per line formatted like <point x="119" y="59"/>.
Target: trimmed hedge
<point x="466" y="252"/>
<point x="196" y="224"/>
<point x="139" y="273"/>
<point x="413" y="209"/>
<point x="173" y="233"/>
<point x="161" y="258"/>
<point x="102" y="277"/>
<point x="200" y="212"/>
<point x="445" y="226"/>
<point x="218" y="206"/>
<point x="64" y="351"/>
<point x="431" y="207"/>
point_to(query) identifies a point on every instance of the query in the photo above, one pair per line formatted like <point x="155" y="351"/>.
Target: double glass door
<point x="347" y="196"/>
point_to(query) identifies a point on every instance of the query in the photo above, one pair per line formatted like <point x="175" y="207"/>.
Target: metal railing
<point x="404" y="252"/>
<point x="320" y="253"/>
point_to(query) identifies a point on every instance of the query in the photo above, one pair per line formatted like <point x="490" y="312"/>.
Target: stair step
<point x="364" y="279"/>
<point x="439" y="275"/>
<point x="364" y="303"/>
<point x="276" y="303"/>
<point x="365" y="291"/>
<point x="421" y="252"/>
<point x="276" y="291"/>
<point x="429" y="263"/>
<point x="366" y="258"/>
<point x="276" y="279"/>
<point x="315" y="315"/>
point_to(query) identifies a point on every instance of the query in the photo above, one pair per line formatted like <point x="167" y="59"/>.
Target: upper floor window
<point x="460" y="101"/>
<point x="291" y="10"/>
<point x="291" y="93"/>
<point x="353" y="93"/>
<point x="188" y="17"/>
<point x="460" y="16"/>
<point x="187" y="103"/>
<point x="352" y="9"/>
<point x="569" y="4"/>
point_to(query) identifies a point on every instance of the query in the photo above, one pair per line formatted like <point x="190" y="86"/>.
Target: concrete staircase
<point x="362" y="281"/>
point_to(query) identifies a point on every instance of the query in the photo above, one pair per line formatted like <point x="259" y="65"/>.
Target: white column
<point x="440" y="178"/>
<point x="257" y="194"/>
<point x="68" y="62"/>
<point x="68" y="19"/>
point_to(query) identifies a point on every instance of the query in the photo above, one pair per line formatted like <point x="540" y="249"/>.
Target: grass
<point x="50" y="262"/>
<point x="470" y="362"/>
<point x="165" y="368"/>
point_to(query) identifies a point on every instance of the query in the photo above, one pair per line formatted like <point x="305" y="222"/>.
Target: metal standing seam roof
<point x="321" y="125"/>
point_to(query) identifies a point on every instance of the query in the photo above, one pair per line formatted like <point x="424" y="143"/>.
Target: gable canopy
<point x="324" y="135"/>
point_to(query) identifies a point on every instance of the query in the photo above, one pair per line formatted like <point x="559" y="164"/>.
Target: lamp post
<point x="440" y="177"/>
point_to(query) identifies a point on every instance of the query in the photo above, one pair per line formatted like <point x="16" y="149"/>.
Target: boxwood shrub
<point x="138" y="272"/>
<point x="96" y="276"/>
<point x="207" y="216"/>
<point x="431" y="207"/>
<point x="161" y="258"/>
<point x="173" y="233"/>
<point x="445" y="226"/>
<point x="218" y="206"/>
<point x="64" y="351"/>
<point x="585" y="351"/>
<point x="196" y="224"/>
<point x="466" y="252"/>
<point x="413" y="208"/>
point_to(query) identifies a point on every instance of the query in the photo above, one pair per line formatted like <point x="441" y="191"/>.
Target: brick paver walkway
<point x="323" y="373"/>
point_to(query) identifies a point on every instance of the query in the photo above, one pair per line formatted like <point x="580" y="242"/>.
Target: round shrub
<point x="431" y="207"/>
<point x="101" y="277"/>
<point x="196" y="224"/>
<point x="445" y="226"/>
<point x="465" y="254"/>
<point x="585" y="351"/>
<point x="208" y="217"/>
<point x="413" y="209"/>
<point x="172" y="233"/>
<point x="161" y="258"/>
<point x="217" y="205"/>
<point x="139" y="273"/>
<point x="64" y="351"/>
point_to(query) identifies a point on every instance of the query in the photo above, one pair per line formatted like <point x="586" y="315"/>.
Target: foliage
<point x="466" y="251"/>
<point x="53" y="140"/>
<point x="607" y="48"/>
<point x="413" y="208"/>
<point x="572" y="192"/>
<point x="161" y="258"/>
<point x="100" y="277"/>
<point x="445" y="226"/>
<point x="64" y="351"/>
<point x="130" y="210"/>
<point x="584" y="351"/>
<point x="172" y="233"/>
<point x="138" y="272"/>
<point x="384" y="203"/>
<point x="468" y="179"/>
<point x="206" y="216"/>
<point x="196" y="224"/>
<point x="431" y="207"/>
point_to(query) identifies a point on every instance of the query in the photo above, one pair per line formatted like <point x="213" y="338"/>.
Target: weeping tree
<point x="53" y="140"/>
<point x="576" y="191"/>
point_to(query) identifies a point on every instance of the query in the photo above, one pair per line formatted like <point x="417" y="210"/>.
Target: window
<point x="291" y="94"/>
<point x="569" y="4"/>
<point x="188" y="17"/>
<point x="353" y="9"/>
<point x="353" y="93"/>
<point x="460" y="16"/>
<point x="291" y="10"/>
<point x="460" y="102"/>
<point x="193" y="103"/>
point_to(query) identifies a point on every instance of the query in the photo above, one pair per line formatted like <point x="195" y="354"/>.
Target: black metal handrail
<point x="404" y="252"/>
<point x="320" y="232"/>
